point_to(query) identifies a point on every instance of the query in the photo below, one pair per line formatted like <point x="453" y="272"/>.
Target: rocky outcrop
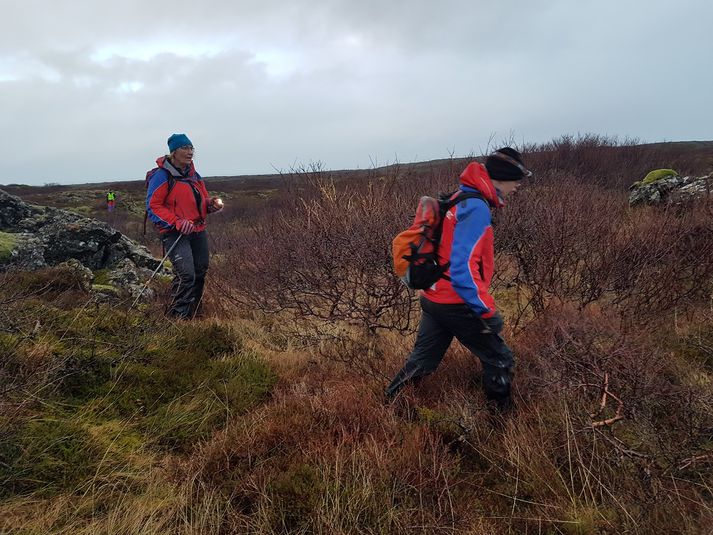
<point x="670" y="189"/>
<point x="42" y="236"/>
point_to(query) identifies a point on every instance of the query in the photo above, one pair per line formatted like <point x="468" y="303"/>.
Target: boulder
<point x="39" y="236"/>
<point x="669" y="189"/>
<point x="83" y="275"/>
<point x="130" y="278"/>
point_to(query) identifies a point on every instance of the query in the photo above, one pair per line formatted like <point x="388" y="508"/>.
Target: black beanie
<point x="506" y="164"/>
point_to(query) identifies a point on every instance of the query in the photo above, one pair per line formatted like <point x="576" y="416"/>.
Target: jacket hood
<point x="476" y="177"/>
<point x="164" y="163"/>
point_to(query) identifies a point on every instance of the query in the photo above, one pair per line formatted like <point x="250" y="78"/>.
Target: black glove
<point x="485" y="328"/>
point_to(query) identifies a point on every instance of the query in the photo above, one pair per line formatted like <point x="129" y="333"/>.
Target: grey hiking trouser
<point x="439" y="324"/>
<point x="190" y="265"/>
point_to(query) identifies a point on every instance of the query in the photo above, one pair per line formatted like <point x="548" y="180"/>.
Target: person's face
<point x="183" y="156"/>
<point x="506" y="187"/>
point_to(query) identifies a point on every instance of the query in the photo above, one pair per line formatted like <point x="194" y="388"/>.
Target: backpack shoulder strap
<point x="450" y="202"/>
<point x="446" y="203"/>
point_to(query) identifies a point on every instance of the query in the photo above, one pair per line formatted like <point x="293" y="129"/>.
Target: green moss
<point x="46" y="455"/>
<point x="117" y="437"/>
<point x="181" y="411"/>
<point x="588" y="520"/>
<point x="697" y="346"/>
<point x="658" y="174"/>
<point x="8" y="344"/>
<point x="106" y="289"/>
<point x="184" y="382"/>
<point x="175" y="384"/>
<point x="211" y="339"/>
<point x="295" y="493"/>
<point x="81" y="210"/>
<point x="242" y="382"/>
<point x="83" y="374"/>
<point x="441" y="423"/>
<point x="178" y="425"/>
<point x="49" y="281"/>
<point x="103" y="326"/>
<point x="136" y="207"/>
<point x="101" y="276"/>
<point x="7" y="244"/>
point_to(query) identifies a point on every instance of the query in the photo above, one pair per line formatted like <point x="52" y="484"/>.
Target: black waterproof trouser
<point x="439" y="324"/>
<point x="190" y="265"/>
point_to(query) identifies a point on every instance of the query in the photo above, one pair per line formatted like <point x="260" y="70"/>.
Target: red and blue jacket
<point x="467" y="242"/>
<point x="172" y="195"/>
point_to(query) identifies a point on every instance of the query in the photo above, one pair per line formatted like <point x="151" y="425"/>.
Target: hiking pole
<point x="155" y="271"/>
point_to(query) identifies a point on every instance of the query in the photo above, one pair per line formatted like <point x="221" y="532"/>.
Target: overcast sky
<point x="91" y="89"/>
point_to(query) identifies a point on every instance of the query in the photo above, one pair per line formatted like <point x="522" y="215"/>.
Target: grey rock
<point x="50" y="236"/>
<point x="130" y="278"/>
<point x="670" y="190"/>
<point x="83" y="274"/>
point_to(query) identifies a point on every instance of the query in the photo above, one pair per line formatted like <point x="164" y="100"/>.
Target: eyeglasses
<point x="186" y="147"/>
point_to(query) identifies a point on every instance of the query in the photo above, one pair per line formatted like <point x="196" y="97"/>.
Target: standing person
<point x="459" y="304"/>
<point x="110" y="201"/>
<point x="177" y="202"/>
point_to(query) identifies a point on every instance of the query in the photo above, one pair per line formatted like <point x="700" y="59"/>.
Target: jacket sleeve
<point x="472" y="224"/>
<point x="156" y="195"/>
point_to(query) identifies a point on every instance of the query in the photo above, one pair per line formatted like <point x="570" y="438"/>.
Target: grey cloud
<point x="262" y="84"/>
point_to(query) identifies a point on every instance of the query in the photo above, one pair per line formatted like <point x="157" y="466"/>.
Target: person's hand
<point x="215" y="205"/>
<point x="184" y="226"/>
<point x="482" y="326"/>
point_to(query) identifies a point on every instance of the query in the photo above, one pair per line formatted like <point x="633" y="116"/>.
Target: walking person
<point x="459" y="304"/>
<point x="110" y="201"/>
<point x="177" y="202"/>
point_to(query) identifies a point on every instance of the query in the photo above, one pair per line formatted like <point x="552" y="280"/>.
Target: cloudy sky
<point x="91" y="89"/>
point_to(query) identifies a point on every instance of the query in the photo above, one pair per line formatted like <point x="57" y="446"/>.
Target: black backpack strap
<point x="449" y="202"/>
<point x="462" y="196"/>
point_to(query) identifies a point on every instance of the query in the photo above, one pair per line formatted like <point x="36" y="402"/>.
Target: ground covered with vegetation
<point x="267" y="416"/>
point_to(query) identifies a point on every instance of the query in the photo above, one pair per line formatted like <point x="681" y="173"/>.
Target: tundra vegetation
<point x="267" y="416"/>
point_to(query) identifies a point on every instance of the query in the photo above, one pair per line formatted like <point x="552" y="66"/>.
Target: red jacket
<point x="467" y="242"/>
<point x="187" y="198"/>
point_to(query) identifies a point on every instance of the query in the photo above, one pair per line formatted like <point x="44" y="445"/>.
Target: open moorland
<point x="267" y="416"/>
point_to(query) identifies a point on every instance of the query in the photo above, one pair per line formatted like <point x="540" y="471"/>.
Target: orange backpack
<point x="415" y="250"/>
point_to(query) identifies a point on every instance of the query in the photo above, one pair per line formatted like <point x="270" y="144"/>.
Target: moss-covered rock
<point x="658" y="174"/>
<point x="101" y="276"/>
<point x="7" y="244"/>
<point x="106" y="289"/>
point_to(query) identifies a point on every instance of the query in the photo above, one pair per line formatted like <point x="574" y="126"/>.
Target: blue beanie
<point x="176" y="141"/>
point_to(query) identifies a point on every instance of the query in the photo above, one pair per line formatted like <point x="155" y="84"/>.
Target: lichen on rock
<point x="662" y="187"/>
<point x="34" y="237"/>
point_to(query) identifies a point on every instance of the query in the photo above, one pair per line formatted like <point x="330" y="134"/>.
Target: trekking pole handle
<point x="160" y="264"/>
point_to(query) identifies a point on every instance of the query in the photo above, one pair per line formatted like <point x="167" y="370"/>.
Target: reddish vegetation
<point x="602" y="304"/>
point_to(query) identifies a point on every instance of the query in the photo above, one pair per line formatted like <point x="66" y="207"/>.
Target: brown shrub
<point x="583" y="245"/>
